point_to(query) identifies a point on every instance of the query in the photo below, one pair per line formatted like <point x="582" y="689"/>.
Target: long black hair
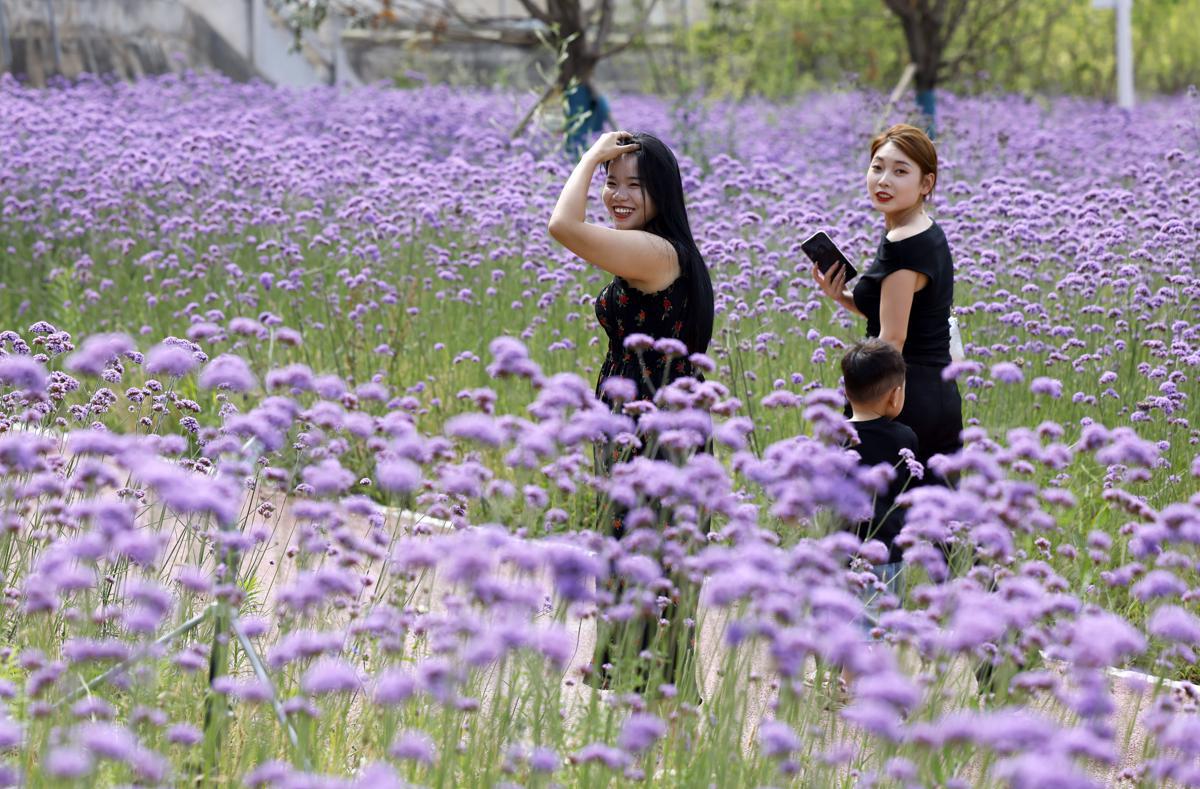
<point x="658" y="173"/>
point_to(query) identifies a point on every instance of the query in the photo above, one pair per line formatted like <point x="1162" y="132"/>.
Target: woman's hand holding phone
<point x="833" y="284"/>
<point x="833" y="281"/>
<point x="831" y="269"/>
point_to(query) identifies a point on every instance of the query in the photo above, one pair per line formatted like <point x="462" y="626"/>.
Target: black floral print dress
<point x="624" y="310"/>
<point x="666" y="644"/>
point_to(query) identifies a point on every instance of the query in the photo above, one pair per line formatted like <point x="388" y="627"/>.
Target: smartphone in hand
<point x="821" y="250"/>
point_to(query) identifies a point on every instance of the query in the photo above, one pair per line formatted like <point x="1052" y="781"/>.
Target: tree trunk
<point x="923" y="35"/>
<point x="580" y="64"/>
<point x="580" y="61"/>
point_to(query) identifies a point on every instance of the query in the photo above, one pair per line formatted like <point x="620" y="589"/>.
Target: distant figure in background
<point x="587" y="114"/>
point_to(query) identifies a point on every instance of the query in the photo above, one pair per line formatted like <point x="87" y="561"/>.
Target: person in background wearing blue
<point x="587" y="114"/>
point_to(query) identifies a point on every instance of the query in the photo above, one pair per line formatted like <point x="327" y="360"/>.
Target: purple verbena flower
<point x="414" y="745"/>
<point x="170" y="359"/>
<point x="97" y="352"/>
<point x="228" y="371"/>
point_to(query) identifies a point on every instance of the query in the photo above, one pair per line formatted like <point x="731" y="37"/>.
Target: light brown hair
<point x="913" y="143"/>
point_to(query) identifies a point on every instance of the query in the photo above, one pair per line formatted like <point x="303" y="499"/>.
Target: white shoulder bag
<point x="957" y="354"/>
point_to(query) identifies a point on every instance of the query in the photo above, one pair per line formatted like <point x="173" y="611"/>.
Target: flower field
<point x="297" y="423"/>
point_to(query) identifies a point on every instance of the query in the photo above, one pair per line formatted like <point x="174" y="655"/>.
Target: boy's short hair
<point x="871" y="368"/>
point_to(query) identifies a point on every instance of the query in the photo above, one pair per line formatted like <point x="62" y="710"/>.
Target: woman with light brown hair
<point x="908" y="290"/>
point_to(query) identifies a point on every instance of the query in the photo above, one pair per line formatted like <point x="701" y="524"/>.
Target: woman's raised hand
<point x="610" y="146"/>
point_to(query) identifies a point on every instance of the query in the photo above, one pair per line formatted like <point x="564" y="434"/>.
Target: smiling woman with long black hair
<point x="660" y="288"/>
<point x="660" y="284"/>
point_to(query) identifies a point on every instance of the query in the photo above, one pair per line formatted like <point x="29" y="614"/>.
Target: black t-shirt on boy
<point x="880" y="442"/>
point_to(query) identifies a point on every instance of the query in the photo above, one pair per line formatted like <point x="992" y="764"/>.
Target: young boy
<point x="874" y="374"/>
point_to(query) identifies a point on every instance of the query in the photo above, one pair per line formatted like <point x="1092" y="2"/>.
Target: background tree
<point x="929" y="28"/>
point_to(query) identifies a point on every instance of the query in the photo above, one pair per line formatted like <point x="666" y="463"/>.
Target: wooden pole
<point x="906" y="78"/>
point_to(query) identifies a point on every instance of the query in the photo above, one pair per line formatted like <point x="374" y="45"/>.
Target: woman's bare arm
<point x="642" y="258"/>
<point x="895" y="306"/>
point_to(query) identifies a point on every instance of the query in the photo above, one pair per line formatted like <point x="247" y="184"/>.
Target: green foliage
<point x="784" y="47"/>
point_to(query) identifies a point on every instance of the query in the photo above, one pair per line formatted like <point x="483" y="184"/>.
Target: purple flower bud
<point x="641" y="570"/>
<point x="640" y="732"/>
<point x="638" y="342"/>
<point x="1102" y="639"/>
<point x="777" y="739"/>
<point x="1043" y="769"/>
<point x="1175" y="624"/>
<point x="475" y="427"/>
<point x="288" y="337"/>
<point x="877" y="718"/>
<point x="292" y="377"/>
<point x="1127" y="448"/>
<point x="1158" y="583"/>
<point x="247" y="327"/>
<point x="228" y="371"/>
<point x="328" y="477"/>
<point x="68" y="763"/>
<point x="395" y="686"/>
<point x="618" y="390"/>
<point x="23" y="373"/>
<point x="79" y="650"/>
<point x="268" y="774"/>
<point x="193" y="579"/>
<point x="188" y="492"/>
<point x="1007" y="373"/>
<point x="108" y="741"/>
<point x="956" y="370"/>
<point x="732" y="433"/>
<point x="511" y="358"/>
<point x="170" y="359"/>
<point x="330" y="675"/>
<point x="544" y="760"/>
<point x="97" y="351"/>
<point x="414" y="745"/>
<point x="378" y="775"/>
<point x="670" y="347"/>
<point x="400" y="475"/>
<point x="610" y="757"/>
<point x="184" y="734"/>
<point x="915" y="469"/>
<point x="782" y="398"/>
<point x="1047" y="386"/>
<point x="11" y="734"/>
<point x="574" y="571"/>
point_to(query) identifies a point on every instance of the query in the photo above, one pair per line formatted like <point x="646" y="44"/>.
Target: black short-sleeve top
<point x="928" y="253"/>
